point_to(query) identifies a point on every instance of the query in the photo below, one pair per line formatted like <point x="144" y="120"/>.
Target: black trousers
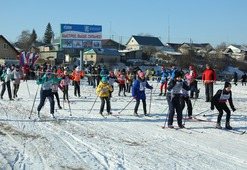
<point x="57" y="97"/>
<point x="66" y="92"/>
<point x="8" y="88"/>
<point x="221" y="106"/>
<point x="186" y="100"/>
<point x="43" y="95"/>
<point x="77" y="88"/>
<point x="15" y="90"/>
<point x="108" y="104"/>
<point x="209" y="90"/>
<point x="143" y="104"/>
<point x="174" y="104"/>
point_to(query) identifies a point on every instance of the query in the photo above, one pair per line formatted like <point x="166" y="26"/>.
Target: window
<point x="5" y="46"/>
<point x="91" y="56"/>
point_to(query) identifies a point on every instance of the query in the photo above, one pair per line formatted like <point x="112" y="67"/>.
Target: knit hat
<point x="227" y="84"/>
<point x="104" y="79"/>
<point x="191" y="67"/>
<point x="141" y="74"/>
<point x="178" y="74"/>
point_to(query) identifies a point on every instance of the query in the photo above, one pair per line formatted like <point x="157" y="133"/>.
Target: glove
<point x="134" y="97"/>
<point x="233" y="109"/>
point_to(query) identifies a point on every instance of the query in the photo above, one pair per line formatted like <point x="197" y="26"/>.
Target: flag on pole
<point x="34" y="57"/>
<point x="22" y="58"/>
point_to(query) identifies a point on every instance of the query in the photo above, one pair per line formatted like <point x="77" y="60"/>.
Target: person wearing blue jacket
<point x="164" y="79"/>
<point x="174" y="70"/>
<point x="138" y="92"/>
<point x="46" y="91"/>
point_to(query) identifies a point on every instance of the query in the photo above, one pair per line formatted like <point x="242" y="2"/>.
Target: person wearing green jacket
<point x="5" y="78"/>
<point x="46" y="91"/>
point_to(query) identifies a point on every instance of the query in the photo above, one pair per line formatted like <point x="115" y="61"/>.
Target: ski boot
<point x="228" y="126"/>
<point x="218" y="126"/>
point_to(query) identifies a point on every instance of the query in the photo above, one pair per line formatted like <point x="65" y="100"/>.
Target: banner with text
<point x="81" y="36"/>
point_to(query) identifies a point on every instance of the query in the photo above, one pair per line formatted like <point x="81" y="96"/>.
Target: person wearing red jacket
<point x="77" y="74"/>
<point x="122" y="77"/>
<point x="208" y="79"/>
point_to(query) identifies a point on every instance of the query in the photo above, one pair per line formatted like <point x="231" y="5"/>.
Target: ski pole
<point x="28" y="89"/>
<point x="201" y="112"/>
<point x="165" y="120"/>
<point x="150" y="101"/>
<point x="185" y="115"/>
<point x="93" y="104"/>
<point x="69" y="108"/>
<point x="34" y="101"/>
<point x="126" y="105"/>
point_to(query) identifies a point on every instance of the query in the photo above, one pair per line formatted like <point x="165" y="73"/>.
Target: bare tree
<point x="24" y="40"/>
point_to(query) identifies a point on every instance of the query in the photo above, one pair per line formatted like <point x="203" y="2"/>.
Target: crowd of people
<point x="178" y="87"/>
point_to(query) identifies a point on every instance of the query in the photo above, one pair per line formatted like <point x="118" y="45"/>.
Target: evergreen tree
<point x="48" y="34"/>
<point x="33" y="37"/>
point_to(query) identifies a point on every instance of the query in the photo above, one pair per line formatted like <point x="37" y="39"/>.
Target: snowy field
<point x="87" y="141"/>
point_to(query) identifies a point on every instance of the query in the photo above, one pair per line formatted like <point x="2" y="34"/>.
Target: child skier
<point x="164" y="79"/>
<point x="103" y="90"/>
<point x="219" y="101"/>
<point x="138" y="92"/>
<point x="65" y="85"/>
<point x="46" y="91"/>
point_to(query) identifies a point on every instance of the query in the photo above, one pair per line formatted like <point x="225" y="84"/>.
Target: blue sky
<point x="210" y="21"/>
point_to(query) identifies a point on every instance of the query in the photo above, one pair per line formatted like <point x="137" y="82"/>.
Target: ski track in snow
<point x="89" y="141"/>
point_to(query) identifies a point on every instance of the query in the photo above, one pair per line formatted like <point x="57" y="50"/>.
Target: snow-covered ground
<point x="89" y="141"/>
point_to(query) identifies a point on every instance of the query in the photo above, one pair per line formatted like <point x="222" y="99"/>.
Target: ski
<point x="115" y="116"/>
<point x="234" y="131"/>
<point x="185" y="130"/>
<point x="197" y="119"/>
<point x="101" y="114"/>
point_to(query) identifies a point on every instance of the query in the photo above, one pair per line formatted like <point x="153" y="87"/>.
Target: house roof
<point x="110" y="42"/>
<point x="104" y="51"/>
<point x="17" y="52"/>
<point x="147" y="41"/>
<point x="175" y="46"/>
<point x="240" y="47"/>
<point x="169" y="50"/>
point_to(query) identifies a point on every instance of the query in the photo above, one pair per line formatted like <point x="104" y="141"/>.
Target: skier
<point x="46" y="91"/>
<point x="184" y="98"/>
<point x="112" y="79"/>
<point x="130" y="81"/>
<point x="164" y="79"/>
<point x="17" y="76"/>
<point x="122" y="77"/>
<point x="208" y="79"/>
<point x="77" y="75"/>
<point x="191" y="76"/>
<point x="235" y="78"/>
<point x="6" y="77"/>
<point x="138" y="92"/>
<point x="174" y="70"/>
<point x="244" y="77"/>
<point x="174" y="90"/>
<point x="103" y="90"/>
<point x="65" y="85"/>
<point x="55" y="87"/>
<point x="219" y="101"/>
